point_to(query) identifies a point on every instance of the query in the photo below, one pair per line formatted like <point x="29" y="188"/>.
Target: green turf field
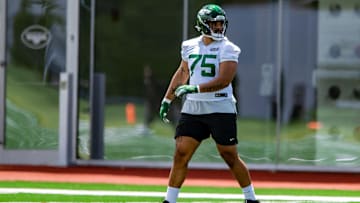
<point x="80" y="192"/>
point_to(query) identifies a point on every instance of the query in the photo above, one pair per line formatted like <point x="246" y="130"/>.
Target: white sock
<point x="172" y="194"/>
<point x="249" y="192"/>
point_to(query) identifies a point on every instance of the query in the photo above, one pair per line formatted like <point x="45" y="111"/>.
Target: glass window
<point x="136" y="50"/>
<point x="297" y="86"/>
<point x="320" y="111"/>
<point x="36" y="56"/>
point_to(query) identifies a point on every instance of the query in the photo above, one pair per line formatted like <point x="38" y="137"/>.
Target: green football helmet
<point x="211" y="13"/>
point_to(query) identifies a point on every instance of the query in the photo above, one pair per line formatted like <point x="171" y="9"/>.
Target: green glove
<point x="186" y="89"/>
<point x="164" y="109"/>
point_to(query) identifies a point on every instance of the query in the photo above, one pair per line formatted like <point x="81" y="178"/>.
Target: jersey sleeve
<point x="230" y="52"/>
<point x="184" y="51"/>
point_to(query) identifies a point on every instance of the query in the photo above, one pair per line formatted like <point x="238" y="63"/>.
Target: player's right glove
<point x="164" y="109"/>
<point x="186" y="89"/>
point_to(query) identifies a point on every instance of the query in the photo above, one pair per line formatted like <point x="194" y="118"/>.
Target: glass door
<point x="33" y="34"/>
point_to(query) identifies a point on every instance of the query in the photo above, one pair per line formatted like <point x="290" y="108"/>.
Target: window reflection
<point x="315" y="90"/>
<point x="36" y="56"/>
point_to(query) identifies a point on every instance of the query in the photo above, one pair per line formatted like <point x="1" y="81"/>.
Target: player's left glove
<point x="164" y="109"/>
<point x="186" y="89"/>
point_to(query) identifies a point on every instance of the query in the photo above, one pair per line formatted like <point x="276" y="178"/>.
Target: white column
<point x="72" y="52"/>
<point x="65" y="124"/>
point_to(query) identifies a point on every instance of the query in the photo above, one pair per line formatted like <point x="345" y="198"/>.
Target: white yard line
<point x="181" y="195"/>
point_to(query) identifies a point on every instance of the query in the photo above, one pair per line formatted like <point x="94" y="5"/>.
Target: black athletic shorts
<point x="221" y="127"/>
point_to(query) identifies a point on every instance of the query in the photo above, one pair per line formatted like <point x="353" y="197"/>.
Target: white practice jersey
<point x="203" y="62"/>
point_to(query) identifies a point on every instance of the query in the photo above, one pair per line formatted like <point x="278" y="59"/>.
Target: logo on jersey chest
<point x="214" y="49"/>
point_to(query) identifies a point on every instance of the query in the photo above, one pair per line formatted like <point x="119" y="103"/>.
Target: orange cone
<point x="130" y="111"/>
<point x="314" y="125"/>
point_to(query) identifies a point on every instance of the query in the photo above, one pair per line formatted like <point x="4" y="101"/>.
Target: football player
<point x="208" y="66"/>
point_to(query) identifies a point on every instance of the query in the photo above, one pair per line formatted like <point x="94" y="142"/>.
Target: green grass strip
<point x="157" y="188"/>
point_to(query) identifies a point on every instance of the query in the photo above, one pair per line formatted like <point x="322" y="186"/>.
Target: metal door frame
<point x="65" y="153"/>
<point x="2" y="69"/>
